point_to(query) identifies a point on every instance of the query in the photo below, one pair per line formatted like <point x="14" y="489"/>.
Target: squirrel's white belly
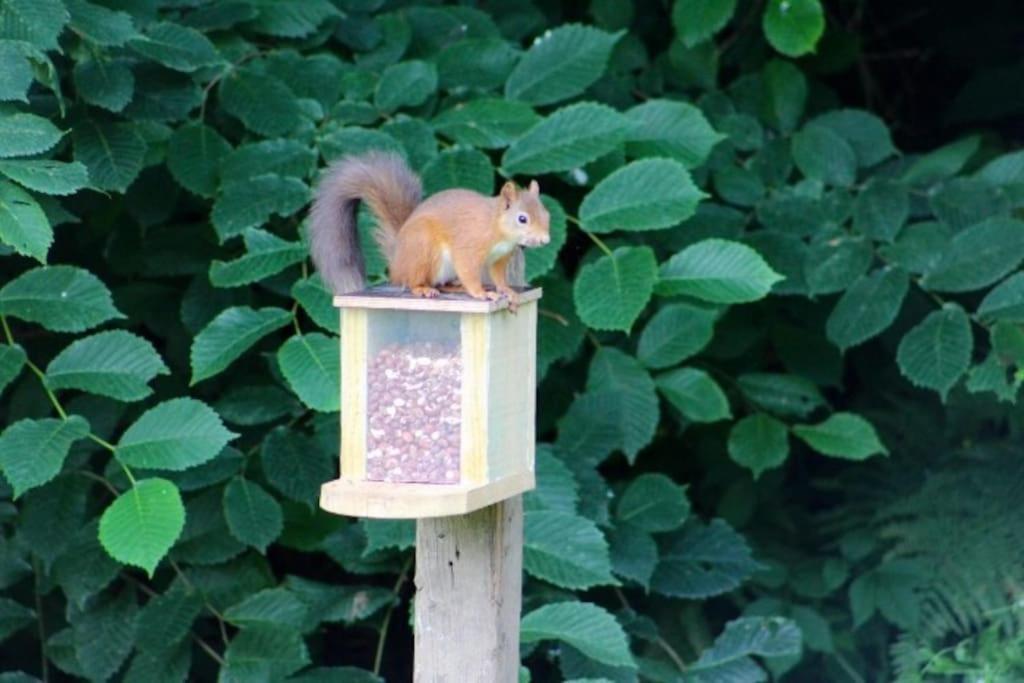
<point x="445" y="272"/>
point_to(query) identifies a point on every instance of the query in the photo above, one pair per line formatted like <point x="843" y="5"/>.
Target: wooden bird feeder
<point x="437" y="404"/>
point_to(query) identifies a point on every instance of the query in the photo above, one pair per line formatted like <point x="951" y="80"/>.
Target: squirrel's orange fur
<point x="452" y="234"/>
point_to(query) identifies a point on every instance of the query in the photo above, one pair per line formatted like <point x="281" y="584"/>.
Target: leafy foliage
<point x="751" y="291"/>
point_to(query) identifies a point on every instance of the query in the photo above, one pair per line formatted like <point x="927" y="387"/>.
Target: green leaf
<point x="611" y="292"/>
<point x="936" y="352"/>
<point x="140" y="527"/>
<point x="316" y="301"/>
<point x="567" y="139"/>
<point x="176" y="47"/>
<point x="194" y="155"/>
<point x="650" y="194"/>
<point x="669" y="128"/>
<point x="100" y="25"/>
<point x="113" y="153"/>
<point x="881" y="210"/>
<point x="233" y="332"/>
<point x="291" y="19"/>
<point x="12" y="360"/>
<point x="167" y="619"/>
<point x="943" y="162"/>
<point x="39" y="22"/>
<point x="758" y="442"/>
<point x="296" y="466"/>
<point x="23" y="225"/>
<point x="459" y="167"/>
<point x="833" y="263"/>
<point x="489" y="123"/>
<point x="13" y="617"/>
<point x="991" y="375"/>
<point x="116" y="363"/>
<point x="634" y="554"/>
<point x="311" y="364"/>
<point x="47" y="176"/>
<point x="620" y="376"/>
<point x="254" y="516"/>
<point x="695" y="394"/>
<point x="783" y="395"/>
<point x="793" y="27"/>
<point x="480" y="63"/>
<point x="701" y="561"/>
<point x="561" y="64"/>
<point x="281" y="157"/>
<point x="270" y="607"/>
<point x="557" y="488"/>
<point x="60" y="298"/>
<point x="697" y="20"/>
<point x="266" y="255"/>
<point x="654" y="503"/>
<point x="264" y="653"/>
<point x="718" y="271"/>
<point x="406" y="84"/>
<point x="786" y="88"/>
<point x="867" y="308"/>
<point x="15" y="73"/>
<point x="585" y="626"/>
<point x="821" y="154"/>
<point x="383" y="534"/>
<point x="250" y="203"/>
<point x="260" y="101"/>
<point x="1005" y="301"/>
<point x="109" y="85"/>
<point x="978" y="256"/>
<point x="33" y="451"/>
<point x="104" y="634"/>
<point x="173" y="435"/>
<point x="566" y="550"/>
<point x="890" y="588"/>
<point x="744" y="637"/>
<point x="676" y="332"/>
<point x="863" y="131"/>
<point x="26" y="134"/>
<point x="842" y="435"/>
<point x="540" y="260"/>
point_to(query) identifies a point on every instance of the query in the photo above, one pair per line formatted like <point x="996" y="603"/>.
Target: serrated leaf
<point x="295" y="465"/>
<point x="46" y="176"/>
<point x="116" y="363"/>
<point x="317" y="302"/>
<point x="106" y="84"/>
<point x="264" y="653"/>
<point x="978" y="256"/>
<point x="173" y="435"/>
<point x="194" y="155"/>
<point x="793" y="27"/>
<point x="113" y="153"/>
<point x="15" y="73"/>
<point x="141" y="525"/>
<point x="668" y="128"/>
<point x="12" y="360"/>
<point x="881" y="210"/>
<point x="758" y="442"/>
<point x="250" y="203"/>
<point x="744" y="637"/>
<point x="697" y="396"/>
<point x="676" y="332"/>
<point x="832" y="264"/>
<point x="936" y="352"/>
<point x="39" y="22"/>
<point x="718" y="271"/>
<point x="865" y="132"/>
<point x="386" y="534"/>
<point x="822" y="155"/>
<point x="167" y="619"/>
<point x="254" y="516"/>
<point x="1005" y="301"/>
<point x="104" y="634"/>
<point x="654" y="503"/>
<point x="786" y="88"/>
<point x="480" y="63"/>
<point x="649" y="194"/>
<point x="557" y="488"/>
<point x="783" y="395"/>
<point x="406" y="84"/>
<point x="867" y="308"/>
<point x="621" y="376"/>
<point x="560" y="64"/>
<point x="270" y="607"/>
<point x="489" y="123"/>
<point x="233" y="332"/>
<point x="991" y="375"/>
<point x="842" y="435"/>
<point x="23" y="225"/>
<point x="266" y="255"/>
<point x="697" y="20"/>
<point x="32" y="452"/>
<point x="700" y="561"/>
<point x="611" y="292"/>
<point x="60" y="298"/>
<point x="943" y="162"/>
<point x="177" y="47"/>
<point x="585" y="626"/>
<point x="26" y="134"/>
<point x="291" y="19"/>
<point x="100" y="25"/>
<point x="567" y="139"/>
<point x="281" y="157"/>
<point x="311" y="365"/>
<point x="459" y="167"/>
<point x="13" y="617"/>
<point x="634" y="554"/>
<point x="260" y="101"/>
<point x="566" y="550"/>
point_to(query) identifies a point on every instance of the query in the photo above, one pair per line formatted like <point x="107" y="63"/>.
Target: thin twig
<point x="379" y="656"/>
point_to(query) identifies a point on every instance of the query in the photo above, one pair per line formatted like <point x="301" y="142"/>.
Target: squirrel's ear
<point x="509" y="192"/>
<point x="534" y="188"/>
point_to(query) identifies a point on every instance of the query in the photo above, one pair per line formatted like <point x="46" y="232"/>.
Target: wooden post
<point x="469" y="579"/>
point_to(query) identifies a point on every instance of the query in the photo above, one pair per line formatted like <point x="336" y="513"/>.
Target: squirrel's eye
<point x="522" y="218"/>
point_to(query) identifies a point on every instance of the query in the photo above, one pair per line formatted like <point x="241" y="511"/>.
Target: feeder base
<point x="386" y="500"/>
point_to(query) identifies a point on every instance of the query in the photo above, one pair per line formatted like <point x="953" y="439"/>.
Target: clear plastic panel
<point x="414" y="397"/>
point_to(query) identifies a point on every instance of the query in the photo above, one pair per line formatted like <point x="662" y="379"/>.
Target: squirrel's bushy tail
<point x="390" y="189"/>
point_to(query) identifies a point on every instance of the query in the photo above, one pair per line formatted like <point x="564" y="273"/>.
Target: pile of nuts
<point x="414" y="395"/>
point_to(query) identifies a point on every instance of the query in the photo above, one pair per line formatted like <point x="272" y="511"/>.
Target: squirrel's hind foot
<point x="425" y="292"/>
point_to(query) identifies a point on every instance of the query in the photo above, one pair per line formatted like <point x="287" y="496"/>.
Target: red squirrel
<point x="454" y="234"/>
